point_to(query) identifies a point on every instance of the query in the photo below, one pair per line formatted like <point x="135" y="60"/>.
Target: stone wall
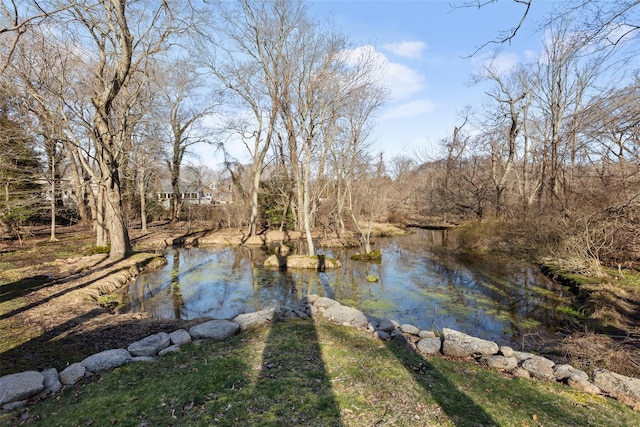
<point x="17" y="390"/>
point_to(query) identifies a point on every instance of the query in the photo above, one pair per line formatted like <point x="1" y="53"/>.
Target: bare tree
<point x="510" y="98"/>
<point x="248" y="62"/>
<point x="182" y="105"/>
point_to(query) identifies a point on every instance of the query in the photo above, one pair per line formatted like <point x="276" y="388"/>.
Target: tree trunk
<point x="101" y="232"/>
<point x="143" y="200"/>
<point x="306" y="211"/>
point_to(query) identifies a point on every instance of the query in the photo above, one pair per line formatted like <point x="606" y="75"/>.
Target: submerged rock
<point x="318" y="262"/>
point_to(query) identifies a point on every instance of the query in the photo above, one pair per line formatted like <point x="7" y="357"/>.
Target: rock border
<point x="20" y="389"/>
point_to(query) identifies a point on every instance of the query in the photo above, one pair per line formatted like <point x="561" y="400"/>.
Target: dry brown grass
<point x="587" y="351"/>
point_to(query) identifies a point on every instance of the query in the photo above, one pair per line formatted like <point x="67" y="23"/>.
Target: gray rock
<point x="384" y="336"/>
<point x="409" y="329"/>
<point x="388" y="325"/>
<point x="311" y="299"/>
<point x="564" y="372"/>
<point x="427" y="334"/>
<point x="20" y="386"/>
<point x="249" y="320"/>
<point x="522" y="356"/>
<point x="346" y="315"/>
<point x="400" y="339"/>
<point x="72" y="373"/>
<point x="462" y="345"/>
<point x="521" y="373"/>
<point x="499" y="362"/>
<point x="506" y="351"/>
<point x="180" y="337"/>
<point x="540" y="368"/>
<point x="12" y="406"/>
<point x="144" y="359"/>
<point x="429" y="345"/>
<point x="623" y="388"/>
<point x="52" y="382"/>
<point x="396" y="332"/>
<point x="324" y="302"/>
<point x="150" y="346"/>
<point x="106" y="360"/>
<point x="218" y="330"/>
<point x="580" y="384"/>
<point x="171" y="349"/>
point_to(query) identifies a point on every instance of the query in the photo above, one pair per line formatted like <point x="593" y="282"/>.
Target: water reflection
<point x="419" y="283"/>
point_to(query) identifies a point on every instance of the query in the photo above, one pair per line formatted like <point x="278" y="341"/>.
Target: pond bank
<point x="17" y="389"/>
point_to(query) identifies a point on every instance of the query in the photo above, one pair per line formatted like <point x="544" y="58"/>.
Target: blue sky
<point x="424" y="47"/>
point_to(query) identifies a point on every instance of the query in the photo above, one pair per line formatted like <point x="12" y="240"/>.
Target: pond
<point x="419" y="282"/>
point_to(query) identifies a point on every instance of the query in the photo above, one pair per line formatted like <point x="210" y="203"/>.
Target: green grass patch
<point x="94" y="250"/>
<point x="315" y="374"/>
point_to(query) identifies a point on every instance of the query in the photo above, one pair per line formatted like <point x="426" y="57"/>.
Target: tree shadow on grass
<point x="293" y="386"/>
<point x="461" y="409"/>
<point x="461" y="390"/>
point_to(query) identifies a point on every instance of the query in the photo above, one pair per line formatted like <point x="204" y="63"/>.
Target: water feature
<point x="419" y="282"/>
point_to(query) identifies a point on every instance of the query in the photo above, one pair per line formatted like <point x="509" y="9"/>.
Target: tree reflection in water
<point x="419" y="282"/>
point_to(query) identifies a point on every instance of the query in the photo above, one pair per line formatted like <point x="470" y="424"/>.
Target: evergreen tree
<point x="21" y="199"/>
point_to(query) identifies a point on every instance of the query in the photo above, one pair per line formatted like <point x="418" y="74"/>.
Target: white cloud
<point x="501" y="64"/>
<point x="409" y="109"/>
<point x="402" y="81"/>
<point x="406" y="49"/>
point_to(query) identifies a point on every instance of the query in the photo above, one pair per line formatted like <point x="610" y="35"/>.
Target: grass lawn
<point x="316" y="374"/>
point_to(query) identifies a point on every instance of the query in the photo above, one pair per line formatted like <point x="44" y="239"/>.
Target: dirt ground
<point x="49" y="314"/>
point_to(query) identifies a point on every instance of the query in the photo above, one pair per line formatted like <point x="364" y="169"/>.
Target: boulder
<point x="319" y="262"/>
<point x="52" y="382"/>
<point x="409" y="329"/>
<point x="72" y="373"/>
<point x="623" y="388"/>
<point x="429" y="345"/>
<point x="151" y="345"/>
<point x="506" y="351"/>
<point x="20" y="386"/>
<point x="180" y="337"/>
<point x="539" y="368"/>
<point x="312" y="298"/>
<point x="580" y="384"/>
<point x="401" y="340"/>
<point x="499" y="362"/>
<point x="171" y="349"/>
<point x="12" y="406"/>
<point x="521" y="373"/>
<point x="324" y="302"/>
<point x="144" y="359"/>
<point x="106" y="360"/>
<point x="249" y="320"/>
<point x="346" y="315"/>
<point x="218" y="330"/>
<point x="387" y="325"/>
<point x="427" y="334"/>
<point x="384" y="336"/>
<point x="462" y="345"/>
<point x="564" y="372"/>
